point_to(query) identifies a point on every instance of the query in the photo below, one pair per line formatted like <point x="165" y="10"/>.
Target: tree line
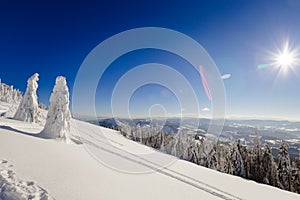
<point x="256" y="163"/>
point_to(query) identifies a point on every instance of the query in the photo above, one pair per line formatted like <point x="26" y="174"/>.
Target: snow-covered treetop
<point x="60" y="84"/>
<point x="32" y="82"/>
<point x="60" y="94"/>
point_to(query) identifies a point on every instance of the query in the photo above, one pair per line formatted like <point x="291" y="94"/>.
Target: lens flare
<point x="260" y="66"/>
<point x="284" y="59"/>
<point x="204" y="83"/>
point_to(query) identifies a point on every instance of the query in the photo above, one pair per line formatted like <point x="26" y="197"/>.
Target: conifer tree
<point x="237" y="161"/>
<point x="284" y="166"/>
<point x="270" y="175"/>
<point x="256" y="160"/>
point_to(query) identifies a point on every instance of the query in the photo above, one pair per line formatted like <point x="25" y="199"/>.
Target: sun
<point x="285" y="59"/>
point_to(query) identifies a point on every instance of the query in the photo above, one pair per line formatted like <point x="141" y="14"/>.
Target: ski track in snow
<point x="12" y="188"/>
<point x="154" y="166"/>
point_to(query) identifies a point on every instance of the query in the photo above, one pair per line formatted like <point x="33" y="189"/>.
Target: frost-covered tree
<point x="162" y="141"/>
<point x="213" y="157"/>
<point x="179" y="145"/>
<point x="59" y="116"/>
<point x="154" y="139"/>
<point x="204" y="152"/>
<point x="284" y="166"/>
<point x="222" y="156"/>
<point x="237" y="161"/>
<point x="191" y="153"/>
<point x="126" y="129"/>
<point x="246" y="158"/>
<point x="256" y="160"/>
<point x="28" y="107"/>
<point x="295" y="179"/>
<point x="9" y="94"/>
<point x="270" y="175"/>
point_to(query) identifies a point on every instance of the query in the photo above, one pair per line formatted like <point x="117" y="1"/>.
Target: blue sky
<point x="53" y="38"/>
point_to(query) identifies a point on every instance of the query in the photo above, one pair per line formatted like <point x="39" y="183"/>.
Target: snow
<point x="271" y="141"/>
<point x="14" y="188"/>
<point x="109" y="166"/>
<point x="59" y="116"/>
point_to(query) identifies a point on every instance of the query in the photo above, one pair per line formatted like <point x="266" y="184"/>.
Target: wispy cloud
<point x="205" y="109"/>
<point x="225" y="76"/>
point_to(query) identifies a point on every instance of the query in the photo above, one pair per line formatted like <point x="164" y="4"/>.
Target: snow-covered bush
<point x="28" y="107"/>
<point x="58" y="118"/>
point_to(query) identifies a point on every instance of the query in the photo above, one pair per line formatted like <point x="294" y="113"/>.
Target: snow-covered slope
<point x="68" y="171"/>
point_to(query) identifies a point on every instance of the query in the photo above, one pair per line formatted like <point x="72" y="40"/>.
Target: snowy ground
<point x="14" y="188"/>
<point x="68" y="171"/>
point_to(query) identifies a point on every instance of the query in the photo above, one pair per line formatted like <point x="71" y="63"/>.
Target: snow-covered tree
<point x="246" y="158"/>
<point x="9" y="94"/>
<point x="126" y="129"/>
<point x="153" y="138"/>
<point x="237" y="161"/>
<point x="256" y="160"/>
<point x="295" y="179"/>
<point x="205" y="152"/>
<point x="213" y="157"/>
<point x="28" y="107"/>
<point x="284" y="166"/>
<point x="59" y="116"/>
<point x="191" y="153"/>
<point x="226" y="163"/>
<point x="270" y="175"/>
<point x="179" y="144"/>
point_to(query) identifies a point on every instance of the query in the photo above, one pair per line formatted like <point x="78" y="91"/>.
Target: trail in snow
<point x="154" y="166"/>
